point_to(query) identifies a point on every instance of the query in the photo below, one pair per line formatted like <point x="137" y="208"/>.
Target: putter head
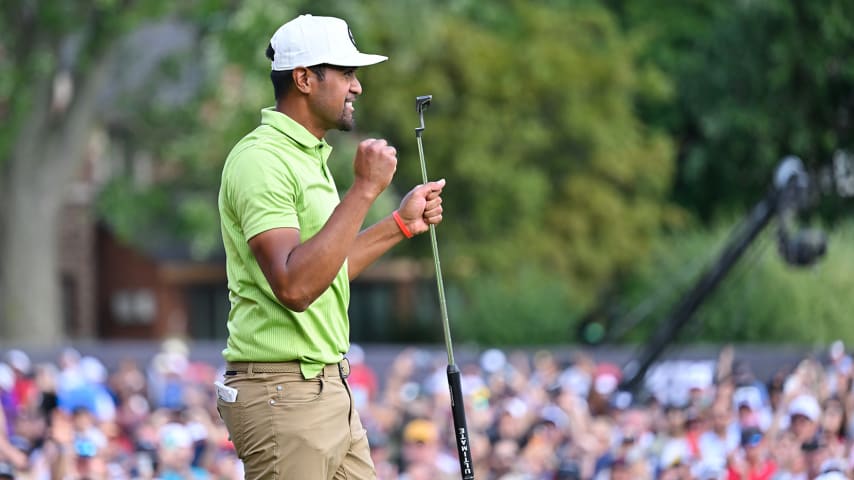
<point x="422" y="102"/>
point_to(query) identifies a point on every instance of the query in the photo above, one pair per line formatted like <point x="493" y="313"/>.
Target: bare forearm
<point x="371" y="244"/>
<point x="311" y="266"/>
<point x="12" y="454"/>
<point x="8" y="451"/>
<point x="299" y="272"/>
<point x="419" y="209"/>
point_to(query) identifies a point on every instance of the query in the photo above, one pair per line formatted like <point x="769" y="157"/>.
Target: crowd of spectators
<point x="530" y="416"/>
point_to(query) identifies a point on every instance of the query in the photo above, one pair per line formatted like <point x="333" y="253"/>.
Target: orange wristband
<point x="401" y="225"/>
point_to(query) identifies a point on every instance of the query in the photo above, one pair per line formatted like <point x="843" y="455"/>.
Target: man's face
<point x="418" y="451"/>
<point x="677" y="472"/>
<point x="803" y="427"/>
<point x="720" y="418"/>
<point x="815" y="458"/>
<point x="621" y="474"/>
<point x="754" y="452"/>
<point x="333" y="99"/>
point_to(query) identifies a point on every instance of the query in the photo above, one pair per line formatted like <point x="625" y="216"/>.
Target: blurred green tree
<point x="56" y="61"/>
<point x="754" y="81"/>
<point x="532" y="123"/>
<point x="763" y="300"/>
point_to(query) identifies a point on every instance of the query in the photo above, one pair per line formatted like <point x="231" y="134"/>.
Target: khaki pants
<point x="287" y="427"/>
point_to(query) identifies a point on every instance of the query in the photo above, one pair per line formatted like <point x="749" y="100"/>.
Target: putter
<point x="458" y="410"/>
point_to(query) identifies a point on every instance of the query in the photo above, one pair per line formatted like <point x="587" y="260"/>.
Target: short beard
<point x="345" y="125"/>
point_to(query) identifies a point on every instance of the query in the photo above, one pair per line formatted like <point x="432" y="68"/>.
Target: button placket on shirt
<point x="318" y="149"/>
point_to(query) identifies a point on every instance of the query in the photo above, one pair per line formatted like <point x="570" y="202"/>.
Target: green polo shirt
<point x="276" y="176"/>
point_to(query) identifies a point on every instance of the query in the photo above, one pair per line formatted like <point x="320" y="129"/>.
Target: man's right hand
<point x="374" y="165"/>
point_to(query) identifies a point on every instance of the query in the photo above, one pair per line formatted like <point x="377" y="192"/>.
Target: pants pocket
<point x="296" y="391"/>
<point x="231" y="416"/>
<point x="247" y="418"/>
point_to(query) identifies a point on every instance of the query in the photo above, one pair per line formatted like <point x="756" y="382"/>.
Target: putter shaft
<point x="443" y="306"/>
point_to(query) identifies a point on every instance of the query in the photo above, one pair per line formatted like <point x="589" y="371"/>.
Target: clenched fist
<point x="374" y="165"/>
<point x="422" y="206"/>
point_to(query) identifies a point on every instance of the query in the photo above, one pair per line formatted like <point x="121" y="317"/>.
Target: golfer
<point x="292" y="246"/>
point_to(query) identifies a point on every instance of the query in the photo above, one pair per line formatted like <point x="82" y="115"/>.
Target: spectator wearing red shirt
<point x="24" y="391"/>
<point x="752" y="461"/>
<point x="362" y="380"/>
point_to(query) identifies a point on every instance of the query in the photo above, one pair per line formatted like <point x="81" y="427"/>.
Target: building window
<point x="133" y="307"/>
<point x="207" y="307"/>
<point x="69" y="305"/>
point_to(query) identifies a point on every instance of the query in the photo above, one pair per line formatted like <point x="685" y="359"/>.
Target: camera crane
<point x="793" y="190"/>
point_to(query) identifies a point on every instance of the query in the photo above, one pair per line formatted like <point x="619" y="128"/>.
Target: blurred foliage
<point x="551" y="121"/>
<point x="530" y="308"/>
<point x="39" y="39"/>
<point x="755" y="81"/>
<point x="58" y="83"/>
<point x="763" y="300"/>
<point x="191" y="139"/>
<point x="174" y="219"/>
<point x="572" y="133"/>
<point x="532" y="124"/>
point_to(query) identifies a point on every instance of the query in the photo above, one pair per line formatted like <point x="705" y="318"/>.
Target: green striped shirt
<point x="276" y="176"/>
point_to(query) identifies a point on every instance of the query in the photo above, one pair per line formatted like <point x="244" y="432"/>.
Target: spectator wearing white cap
<point x="88" y="391"/>
<point x="175" y="454"/>
<point x="804" y="413"/>
<point x="24" y="391"/>
<point x="19" y="361"/>
<point x="832" y="475"/>
<point x="674" y="461"/>
<point x="751" y="409"/>
<point x="833" y="469"/>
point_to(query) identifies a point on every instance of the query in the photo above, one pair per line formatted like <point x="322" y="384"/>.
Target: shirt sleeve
<point x="264" y="193"/>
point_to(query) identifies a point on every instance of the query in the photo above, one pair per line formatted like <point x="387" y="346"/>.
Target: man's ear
<point x="302" y="79"/>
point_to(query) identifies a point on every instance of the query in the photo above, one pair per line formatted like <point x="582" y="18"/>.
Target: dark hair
<point x="283" y="79"/>
<point x="751" y="436"/>
<point x="842" y="432"/>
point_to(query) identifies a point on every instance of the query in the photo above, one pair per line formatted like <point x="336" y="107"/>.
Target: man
<point x="423" y="455"/>
<point x="804" y="415"/>
<point x="722" y="439"/>
<point x="175" y="451"/>
<point x="292" y="246"/>
<point x="751" y="461"/>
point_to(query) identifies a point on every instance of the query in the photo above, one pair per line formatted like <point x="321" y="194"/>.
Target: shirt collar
<point x="288" y="126"/>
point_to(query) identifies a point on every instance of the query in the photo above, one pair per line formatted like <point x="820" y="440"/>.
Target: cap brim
<point x="357" y="60"/>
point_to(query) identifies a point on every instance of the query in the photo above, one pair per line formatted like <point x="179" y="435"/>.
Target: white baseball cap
<point x="805" y="405"/>
<point x="308" y="40"/>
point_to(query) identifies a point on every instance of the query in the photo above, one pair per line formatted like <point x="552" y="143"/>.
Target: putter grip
<point x="461" y="431"/>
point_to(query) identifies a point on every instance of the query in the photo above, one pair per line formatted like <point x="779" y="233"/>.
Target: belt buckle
<point x="341" y="368"/>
